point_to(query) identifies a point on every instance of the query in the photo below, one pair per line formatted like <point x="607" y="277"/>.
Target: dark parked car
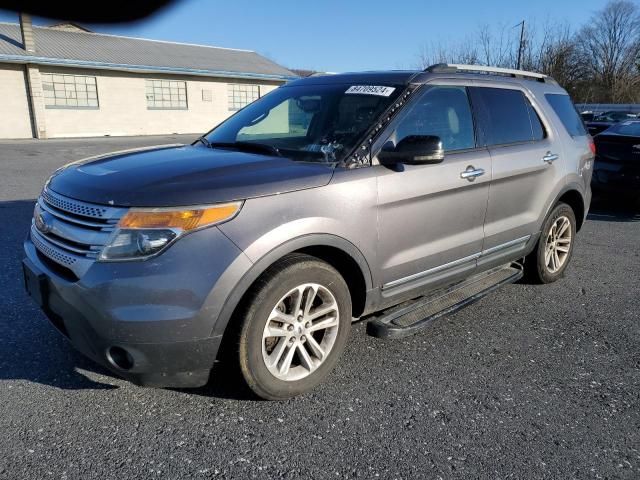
<point x="587" y="116"/>
<point x="604" y="120"/>
<point x="617" y="164"/>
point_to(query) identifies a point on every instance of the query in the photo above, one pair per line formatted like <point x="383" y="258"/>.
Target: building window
<point x="69" y="91"/>
<point x="242" y="95"/>
<point x="166" y="95"/>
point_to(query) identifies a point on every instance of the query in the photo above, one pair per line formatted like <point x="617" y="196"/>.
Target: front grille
<point x="50" y="252"/>
<point x="71" y="232"/>
<point x="73" y="206"/>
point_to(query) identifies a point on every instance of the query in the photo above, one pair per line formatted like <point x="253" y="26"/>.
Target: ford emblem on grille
<point x="43" y="222"/>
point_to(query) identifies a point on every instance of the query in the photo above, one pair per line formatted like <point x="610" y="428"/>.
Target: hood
<point x="183" y="175"/>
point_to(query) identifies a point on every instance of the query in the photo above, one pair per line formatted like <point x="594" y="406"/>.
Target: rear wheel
<point x="294" y="328"/>
<point x="554" y="249"/>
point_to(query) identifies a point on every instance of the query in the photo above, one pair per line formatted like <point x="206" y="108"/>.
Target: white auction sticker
<point x="371" y="90"/>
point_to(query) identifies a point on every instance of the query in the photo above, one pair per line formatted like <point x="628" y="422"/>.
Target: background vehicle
<point x="617" y="165"/>
<point x="405" y="194"/>
<point x="587" y="116"/>
<point x="604" y="120"/>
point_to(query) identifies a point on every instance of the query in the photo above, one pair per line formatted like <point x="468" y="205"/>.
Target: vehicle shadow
<point x="32" y="349"/>
<point x="223" y="384"/>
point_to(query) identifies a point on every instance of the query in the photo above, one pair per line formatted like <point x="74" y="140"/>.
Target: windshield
<point x="318" y="123"/>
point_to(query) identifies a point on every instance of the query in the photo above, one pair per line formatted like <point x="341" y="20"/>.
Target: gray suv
<point x="391" y="196"/>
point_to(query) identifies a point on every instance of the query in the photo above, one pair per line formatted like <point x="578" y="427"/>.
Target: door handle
<point x="471" y="173"/>
<point x="550" y="157"/>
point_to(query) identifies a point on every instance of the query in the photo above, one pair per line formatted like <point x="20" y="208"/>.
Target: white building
<point x="64" y="81"/>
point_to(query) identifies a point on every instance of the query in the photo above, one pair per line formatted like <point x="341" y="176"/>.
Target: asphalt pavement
<point x="530" y="382"/>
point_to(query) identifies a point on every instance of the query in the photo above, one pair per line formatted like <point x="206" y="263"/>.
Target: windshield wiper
<point x="248" y="147"/>
<point x="203" y="140"/>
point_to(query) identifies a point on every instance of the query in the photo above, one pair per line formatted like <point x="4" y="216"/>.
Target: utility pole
<point x="520" y="45"/>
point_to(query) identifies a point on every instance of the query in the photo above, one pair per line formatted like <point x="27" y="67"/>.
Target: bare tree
<point x="464" y="52"/>
<point x="498" y="45"/>
<point x="555" y="53"/>
<point x="433" y="53"/>
<point x="599" y="64"/>
<point x="610" y="51"/>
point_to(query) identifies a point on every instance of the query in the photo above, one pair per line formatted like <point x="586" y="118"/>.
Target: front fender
<point x="246" y="279"/>
<point x="342" y="215"/>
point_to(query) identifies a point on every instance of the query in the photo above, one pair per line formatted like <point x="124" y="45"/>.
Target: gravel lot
<point x="531" y="382"/>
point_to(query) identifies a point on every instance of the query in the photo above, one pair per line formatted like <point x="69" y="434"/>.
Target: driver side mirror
<point x="413" y="150"/>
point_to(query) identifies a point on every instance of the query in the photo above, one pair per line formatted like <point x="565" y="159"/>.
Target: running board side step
<point x="409" y="317"/>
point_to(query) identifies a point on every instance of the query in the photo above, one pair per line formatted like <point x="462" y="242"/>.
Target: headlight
<point x="144" y="232"/>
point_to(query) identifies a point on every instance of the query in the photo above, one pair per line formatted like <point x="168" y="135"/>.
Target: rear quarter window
<point x="567" y="113"/>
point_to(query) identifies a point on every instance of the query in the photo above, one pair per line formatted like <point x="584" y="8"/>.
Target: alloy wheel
<point x="300" y="332"/>
<point x="558" y="244"/>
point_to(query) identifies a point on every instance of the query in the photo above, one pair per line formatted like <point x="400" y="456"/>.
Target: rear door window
<point x="567" y="113"/>
<point x="506" y="116"/>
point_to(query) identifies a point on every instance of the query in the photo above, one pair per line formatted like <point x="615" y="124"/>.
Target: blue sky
<point x="334" y="35"/>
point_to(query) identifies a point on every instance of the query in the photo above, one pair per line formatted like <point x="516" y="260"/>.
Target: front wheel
<point x="295" y="327"/>
<point x="554" y="249"/>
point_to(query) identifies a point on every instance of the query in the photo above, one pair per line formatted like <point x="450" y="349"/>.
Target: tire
<point x="276" y="367"/>
<point x="549" y="260"/>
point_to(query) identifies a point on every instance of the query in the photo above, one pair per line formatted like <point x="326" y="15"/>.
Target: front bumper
<point x="159" y="312"/>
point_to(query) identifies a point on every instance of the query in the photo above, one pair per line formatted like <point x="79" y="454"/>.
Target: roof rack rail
<point x="456" y="68"/>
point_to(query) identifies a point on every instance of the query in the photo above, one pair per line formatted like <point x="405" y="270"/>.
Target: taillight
<point x="592" y="145"/>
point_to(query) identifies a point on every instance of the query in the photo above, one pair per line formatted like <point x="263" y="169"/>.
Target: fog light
<point x="120" y="358"/>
